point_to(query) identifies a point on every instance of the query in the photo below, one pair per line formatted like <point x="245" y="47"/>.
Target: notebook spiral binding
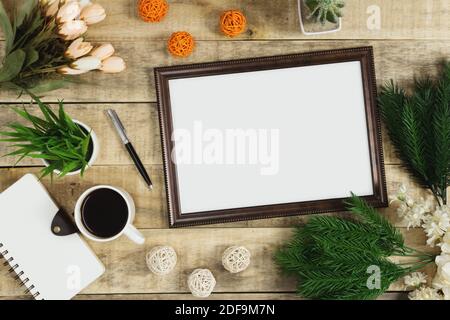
<point x="19" y="274"/>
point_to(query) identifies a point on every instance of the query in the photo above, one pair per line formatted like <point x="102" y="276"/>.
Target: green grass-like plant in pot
<point x="66" y="146"/>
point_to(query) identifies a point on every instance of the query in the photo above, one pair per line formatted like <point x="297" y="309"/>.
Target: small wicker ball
<point x="201" y="282"/>
<point x="152" y="10"/>
<point x="161" y="260"/>
<point x="236" y="259"/>
<point x="181" y="44"/>
<point x="232" y="23"/>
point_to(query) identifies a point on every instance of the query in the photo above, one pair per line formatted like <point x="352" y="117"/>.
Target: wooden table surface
<point x="413" y="37"/>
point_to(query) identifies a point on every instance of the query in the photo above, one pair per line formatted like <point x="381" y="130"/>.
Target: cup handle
<point x="134" y="234"/>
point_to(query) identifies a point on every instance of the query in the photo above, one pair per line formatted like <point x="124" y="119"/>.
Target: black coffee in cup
<point x="104" y="213"/>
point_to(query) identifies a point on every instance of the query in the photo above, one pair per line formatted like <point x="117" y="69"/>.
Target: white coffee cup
<point x="129" y="230"/>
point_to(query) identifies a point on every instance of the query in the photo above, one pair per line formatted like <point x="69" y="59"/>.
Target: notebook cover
<point x="57" y="267"/>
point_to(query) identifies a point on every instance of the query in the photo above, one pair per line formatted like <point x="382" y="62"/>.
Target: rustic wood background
<point x="414" y="37"/>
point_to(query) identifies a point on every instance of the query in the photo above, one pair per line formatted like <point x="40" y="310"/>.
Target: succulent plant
<point x="325" y="10"/>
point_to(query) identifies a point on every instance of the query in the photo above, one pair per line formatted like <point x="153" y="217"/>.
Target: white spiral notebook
<point x="51" y="267"/>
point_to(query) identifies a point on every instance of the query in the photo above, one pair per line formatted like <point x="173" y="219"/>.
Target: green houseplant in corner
<point x="66" y="146"/>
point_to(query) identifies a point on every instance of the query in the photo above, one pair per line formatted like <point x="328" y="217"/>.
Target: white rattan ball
<point x="201" y="282"/>
<point x="161" y="260"/>
<point x="236" y="259"/>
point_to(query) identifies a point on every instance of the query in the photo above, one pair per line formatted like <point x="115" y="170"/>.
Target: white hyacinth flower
<point x="425" y="293"/>
<point x="415" y="279"/>
<point x="437" y="224"/>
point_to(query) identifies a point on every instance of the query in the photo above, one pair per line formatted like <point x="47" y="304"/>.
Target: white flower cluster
<point x="415" y="279"/>
<point x="436" y="223"/>
<point x="425" y="293"/>
<point x="421" y="213"/>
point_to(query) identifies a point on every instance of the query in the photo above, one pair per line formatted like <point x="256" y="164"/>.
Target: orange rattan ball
<point x="232" y="22"/>
<point x="153" y="10"/>
<point x="181" y="44"/>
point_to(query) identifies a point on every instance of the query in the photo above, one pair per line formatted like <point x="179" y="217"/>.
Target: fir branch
<point x="377" y="223"/>
<point x="419" y="128"/>
<point x="331" y="256"/>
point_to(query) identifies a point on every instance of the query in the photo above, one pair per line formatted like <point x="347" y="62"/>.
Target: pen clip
<point x="118" y="125"/>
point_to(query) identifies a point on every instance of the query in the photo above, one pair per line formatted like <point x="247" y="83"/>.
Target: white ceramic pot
<point x="310" y="29"/>
<point x="95" y="150"/>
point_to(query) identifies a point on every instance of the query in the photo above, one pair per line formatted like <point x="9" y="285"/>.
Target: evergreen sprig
<point x="330" y="255"/>
<point x="419" y="127"/>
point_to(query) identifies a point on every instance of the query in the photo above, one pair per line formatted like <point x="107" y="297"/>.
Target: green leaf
<point x="69" y="168"/>
<point x="43" y="156"/>
<point x="85" y="146"/>
<point x="24" y="10"/>
<point x="32" y="57"/>
<point x="47" y="85"/>
<point x="12" y="66"/>
<point x="6" y="26"/>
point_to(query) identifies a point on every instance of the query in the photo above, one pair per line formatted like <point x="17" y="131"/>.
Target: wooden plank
<point x="216" y="296"/>
<point x="198" y="248"/>
<point x="151" y="205"/>
<point x="141" y="122"/>
<point x="398" y="60"/>
<point x="412" y="19"/>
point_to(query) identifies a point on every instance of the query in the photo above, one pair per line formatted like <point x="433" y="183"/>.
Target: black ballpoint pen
<point x="123" y="136"/>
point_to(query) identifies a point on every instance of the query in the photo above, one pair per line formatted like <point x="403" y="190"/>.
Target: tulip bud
<point x="87" y="63"/>
<point x="70" y="71"/>
<point x="72" y="29"/>
<point x="103" y="52"/>
<point x="51" y="7"/>
<point x="77" y="49"/>
<point x="93" y="13"/>
<point x="84" y="3"/>
<point x="113" y="65"/>
<point x="45" y="2"/>
<point x="68" y="12"/>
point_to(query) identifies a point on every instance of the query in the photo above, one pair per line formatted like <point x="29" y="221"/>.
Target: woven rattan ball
<point x="161" y="260"/>
<point x="232" y="23"/>
<point x="181" y="44"/>
<point x="201" y="282"/>
<point x="152" y="10"/>
<point x="236" y="259"/>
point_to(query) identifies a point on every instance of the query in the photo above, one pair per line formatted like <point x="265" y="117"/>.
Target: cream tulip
<point x="51" y="7"/>
<point x="68" y="12"/>
<point x="84" y="3"/>
<point x="69" y="71"/>
<point x="78" y="48"/>
<point x="72" y="29"/>
<point x="93" y="13"/>
<point x="113" y="65"/>
<point x="103" y="52"/>
<point x="87" y="63"/>
<point x="47" y="2"/>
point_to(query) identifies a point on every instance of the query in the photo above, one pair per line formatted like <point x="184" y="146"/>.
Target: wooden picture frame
<point x="179" y="86"/>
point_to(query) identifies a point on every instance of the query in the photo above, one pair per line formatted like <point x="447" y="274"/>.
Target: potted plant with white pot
<point x="66" y="146"/>
<point x="320" y="16"/>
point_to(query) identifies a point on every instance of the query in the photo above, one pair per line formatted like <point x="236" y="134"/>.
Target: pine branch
<point x="419" y="128"/>
<point x="440" y="131"/>
<point x="331" y="256"/>
<point x="403" y="123"/>
<point x="326" y="284"/>
<point x="376" y="221"/>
